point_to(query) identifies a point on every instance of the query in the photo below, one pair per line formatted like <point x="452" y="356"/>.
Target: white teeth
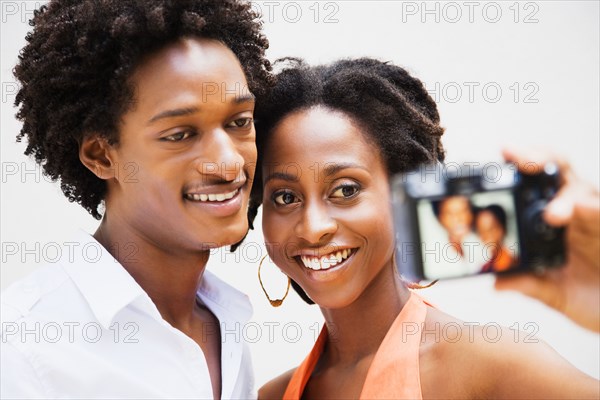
<point x="323" y="263"/>
<point x="316" y="264"/>
<point x="326" y="261"/>
<point x="211" y="197"/>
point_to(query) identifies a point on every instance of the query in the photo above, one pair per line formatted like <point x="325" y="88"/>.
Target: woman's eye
<point x="240" y="123"/>
<point x="177" y="137"/>
<point x="345" y="191"/>
<point x="284" y="198"/>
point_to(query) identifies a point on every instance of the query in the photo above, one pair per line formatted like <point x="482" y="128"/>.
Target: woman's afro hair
<point x="74" y="72"/>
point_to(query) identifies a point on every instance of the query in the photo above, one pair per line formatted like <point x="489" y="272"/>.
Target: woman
<point x="329" y="139"/>
<point x="490" y="224"/>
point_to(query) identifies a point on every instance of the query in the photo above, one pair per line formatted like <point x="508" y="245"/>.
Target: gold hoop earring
<point x="276" y="302"/>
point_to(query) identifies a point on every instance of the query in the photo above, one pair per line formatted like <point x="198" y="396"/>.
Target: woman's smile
<point x="327" y="261"/>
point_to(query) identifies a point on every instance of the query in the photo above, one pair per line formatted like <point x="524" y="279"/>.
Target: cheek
<point x="444" y="221"/>
<point x="383" y="223"/>
<point x="150" y="190"/>
<point x="269" y="233"/>
<point x="249" y="153"/>
<point x="146" y="166"/>
<point x="383" y="230"/>
<point x="275" y="226"/>
<point x="373" y="220"/>
<point x="154" y="199"/>
<point x="498" y="234"/>
<point x="153" y="183"/>
<point x="277" y="231"/>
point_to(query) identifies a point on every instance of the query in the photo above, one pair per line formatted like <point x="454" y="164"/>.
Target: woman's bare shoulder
<point x="275" y="388"/>
<point x="461" y="359"/>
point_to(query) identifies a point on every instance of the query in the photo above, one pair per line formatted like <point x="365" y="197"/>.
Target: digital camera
<point x="456" y="220"/>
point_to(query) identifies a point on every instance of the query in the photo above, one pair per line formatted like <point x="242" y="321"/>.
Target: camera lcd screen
<point x="465" y="235"/>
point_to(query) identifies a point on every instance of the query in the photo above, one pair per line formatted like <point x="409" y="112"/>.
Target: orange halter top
<point x="394" y="372"/>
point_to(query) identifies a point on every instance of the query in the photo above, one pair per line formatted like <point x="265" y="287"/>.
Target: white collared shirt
<point x="441" y="260"/>
<point x="83" y="328"/>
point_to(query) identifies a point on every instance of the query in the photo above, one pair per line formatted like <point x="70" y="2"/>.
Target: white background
<point x="550" y="49"/>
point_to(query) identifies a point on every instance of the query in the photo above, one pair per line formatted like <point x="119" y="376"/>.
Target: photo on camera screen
<point x="465" y="235"/>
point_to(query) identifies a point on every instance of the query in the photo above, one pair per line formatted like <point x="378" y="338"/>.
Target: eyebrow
<point x="281" y="175"/>
<point x="248" y="97"/>
<point x="328" y="170"/>
<point x="180" y="112"/>
<point x="333" y="168"/>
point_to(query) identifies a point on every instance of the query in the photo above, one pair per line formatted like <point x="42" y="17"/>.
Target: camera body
<point x="456" y="220"/>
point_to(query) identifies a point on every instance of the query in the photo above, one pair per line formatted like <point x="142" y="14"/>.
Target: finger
<point x="527" y="283"/>
<point x="577" y="203"/>
<point x="542" y="288"/>
<point x="533" y="161"/>
<point x="526" y="161"/>
<point x="559" y="211"/>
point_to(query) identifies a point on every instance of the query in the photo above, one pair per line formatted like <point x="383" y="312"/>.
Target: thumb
<point x="560" y="210"/>
<point x="538" y="287"/>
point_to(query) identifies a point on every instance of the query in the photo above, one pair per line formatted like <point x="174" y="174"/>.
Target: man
<point x="144" y="109"/>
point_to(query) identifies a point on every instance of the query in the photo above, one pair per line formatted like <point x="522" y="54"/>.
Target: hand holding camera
<point x="575" y="289"/>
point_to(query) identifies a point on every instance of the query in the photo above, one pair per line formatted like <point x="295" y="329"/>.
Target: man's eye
<point x="284" y="198"/>
<point x="345" y="191"/>
<point x="177" y="137"/>
<point x="240" y="123"/>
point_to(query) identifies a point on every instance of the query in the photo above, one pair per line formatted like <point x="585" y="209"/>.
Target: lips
<point x="326" y="261"/>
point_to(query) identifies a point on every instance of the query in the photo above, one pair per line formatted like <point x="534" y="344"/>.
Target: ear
<point x="97" y="155"/>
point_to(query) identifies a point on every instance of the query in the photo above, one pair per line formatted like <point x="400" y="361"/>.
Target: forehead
<point x="455" y="203"/>
<point x="320" y="135"/>
<point x="486" y="217"/>
<point x="190" y="66"/>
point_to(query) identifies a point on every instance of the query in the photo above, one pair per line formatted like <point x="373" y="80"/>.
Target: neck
<point x="356" y="331"/>
<point x="170" y="279"/>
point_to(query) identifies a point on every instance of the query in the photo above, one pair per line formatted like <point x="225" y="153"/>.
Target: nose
<point x="316" y="224"/>
<point x="221" y="157"/>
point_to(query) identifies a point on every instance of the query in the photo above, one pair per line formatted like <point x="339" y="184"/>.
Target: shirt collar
<point x="101" y="279"/>
<point x="108" y="287"/>
<point x="225" y="301"/>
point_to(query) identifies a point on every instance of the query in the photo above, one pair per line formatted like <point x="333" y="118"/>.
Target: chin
<point x="230" y="236"/>
<point x="332" y="301"/>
